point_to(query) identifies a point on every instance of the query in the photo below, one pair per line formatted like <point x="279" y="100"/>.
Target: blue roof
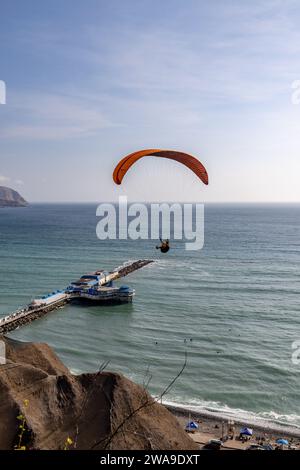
<point x="282" y="441"/>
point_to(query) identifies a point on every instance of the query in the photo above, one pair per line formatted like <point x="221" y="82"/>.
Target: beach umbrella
<point x="246" y="431"/>
<point x="282" y="442"/>
<point x="191" y="426"/>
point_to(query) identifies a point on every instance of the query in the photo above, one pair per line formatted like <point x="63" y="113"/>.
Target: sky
<point x="88" y="82"/>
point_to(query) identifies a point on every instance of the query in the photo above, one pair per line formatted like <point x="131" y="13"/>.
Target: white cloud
<point x="212" y="79"/>
<point x="4" y="179"/>
<point x="244" y="54"/>
<point x="41" y="116"/>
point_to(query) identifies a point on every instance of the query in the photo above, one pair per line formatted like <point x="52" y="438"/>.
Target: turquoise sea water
<point x="233" y="306"/>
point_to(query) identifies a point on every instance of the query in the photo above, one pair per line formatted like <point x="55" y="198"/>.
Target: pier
<point x="41" y="306"/>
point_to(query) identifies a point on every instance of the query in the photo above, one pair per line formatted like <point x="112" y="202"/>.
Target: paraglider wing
<point x="188" y="160"/>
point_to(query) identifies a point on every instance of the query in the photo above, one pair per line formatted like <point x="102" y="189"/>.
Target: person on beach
<point x="164" y="247"/>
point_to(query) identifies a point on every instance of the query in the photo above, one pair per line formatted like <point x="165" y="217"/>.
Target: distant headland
<point x="11" y="198"/>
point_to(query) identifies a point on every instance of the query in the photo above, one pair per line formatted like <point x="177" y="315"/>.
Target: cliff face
<point x="101" y="411"/>
<point x="11" y="198"/>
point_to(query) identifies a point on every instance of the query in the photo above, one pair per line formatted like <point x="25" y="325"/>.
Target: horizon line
<point x="162" y="202"/>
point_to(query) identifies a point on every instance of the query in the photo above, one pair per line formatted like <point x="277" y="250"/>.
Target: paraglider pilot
<point x="164" y="247"/>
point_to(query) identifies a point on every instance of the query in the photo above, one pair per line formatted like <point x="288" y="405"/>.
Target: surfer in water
<point x="164" y="247"/>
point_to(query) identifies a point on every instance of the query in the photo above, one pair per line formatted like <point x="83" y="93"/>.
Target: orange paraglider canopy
<point x="188" y="160"/>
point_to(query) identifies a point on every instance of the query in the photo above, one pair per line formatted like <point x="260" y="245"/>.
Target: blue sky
<point x="90" y="81"/>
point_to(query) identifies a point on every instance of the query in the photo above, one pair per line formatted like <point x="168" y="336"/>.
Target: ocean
<point x="232" y="307"/>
